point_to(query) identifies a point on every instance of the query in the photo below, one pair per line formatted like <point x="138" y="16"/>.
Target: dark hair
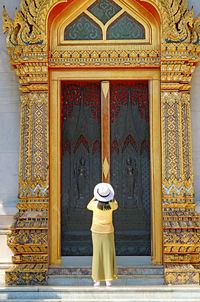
<point x="104" y="205"/>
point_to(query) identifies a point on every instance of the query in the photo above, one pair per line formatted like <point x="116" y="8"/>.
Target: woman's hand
<point x="90" y="204"/>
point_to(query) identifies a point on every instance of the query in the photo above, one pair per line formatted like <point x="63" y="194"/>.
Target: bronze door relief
<point x="105" y="137"/>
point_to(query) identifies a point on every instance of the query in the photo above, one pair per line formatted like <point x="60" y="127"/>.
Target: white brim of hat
<point x="103" y="198"/>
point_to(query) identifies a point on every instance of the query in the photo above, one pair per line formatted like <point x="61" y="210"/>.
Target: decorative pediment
<point x="158" y="41"/>
<point x="29" y="26"/>
<point x="26" y="27"/>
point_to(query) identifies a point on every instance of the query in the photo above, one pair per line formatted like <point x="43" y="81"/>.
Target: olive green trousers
<point x="104" y="260"/>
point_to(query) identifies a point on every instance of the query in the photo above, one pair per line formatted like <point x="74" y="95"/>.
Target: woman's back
<point x="104" y="260"/>
<point x="102" y="219"/>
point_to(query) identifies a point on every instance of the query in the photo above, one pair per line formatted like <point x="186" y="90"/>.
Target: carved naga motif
<point x="8" y="26"/>
<point x="24" y="29"/>
<point x="196" y="30"/>
<point x="29" y="236"/>
<point x="179" y="24"/>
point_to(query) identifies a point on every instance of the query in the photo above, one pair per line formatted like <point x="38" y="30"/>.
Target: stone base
<point x="181" y="274"/>
<point x="112" y="294"/>
<point x="6" y="253"/>
<point x="27" y="274"/>
<point x="127" y="275"/>
<point x="3" y="268"/>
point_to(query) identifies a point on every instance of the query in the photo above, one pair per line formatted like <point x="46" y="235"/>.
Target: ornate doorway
<point x="130" y="166"/>
<point x="81" y="162"/>
<point x="127" y="142"/>
<point x="112" y="53"/>
<point x="44" y="51"/>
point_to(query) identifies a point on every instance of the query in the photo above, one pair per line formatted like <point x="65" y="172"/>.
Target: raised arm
<point x="90" y="204"/>
<point x="114" y="205"/>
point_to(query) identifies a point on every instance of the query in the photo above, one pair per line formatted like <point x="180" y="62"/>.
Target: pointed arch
<point x="142" y="22"/>
<point x="82" y="28"/>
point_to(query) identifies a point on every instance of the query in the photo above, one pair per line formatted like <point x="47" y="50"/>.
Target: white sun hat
<point x="103" y="192"/>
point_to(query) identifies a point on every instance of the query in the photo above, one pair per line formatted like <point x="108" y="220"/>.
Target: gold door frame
<point x="56" y="76"/>
<point x="175" y="51"/>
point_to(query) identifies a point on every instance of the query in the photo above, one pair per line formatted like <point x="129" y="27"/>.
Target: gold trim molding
<point x="153" y="76"/>
<point x="35" y="55"/>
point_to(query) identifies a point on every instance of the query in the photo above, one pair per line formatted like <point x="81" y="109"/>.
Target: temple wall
<point x="195" y="116"/>
<point x="9" y="141"/>
<point x="10" y="132"/>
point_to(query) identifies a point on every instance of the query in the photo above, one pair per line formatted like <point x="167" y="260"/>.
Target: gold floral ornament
<point x="196" y="30"/>
<point x="27" y="27"/>
<point x="179" y="23"/>
<point x="8" y="26"/>
<point x="28" y="48"/>
<point x="24" y="29"/>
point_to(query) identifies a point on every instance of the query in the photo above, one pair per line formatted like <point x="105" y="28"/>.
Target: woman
<point x="104" y="260"/>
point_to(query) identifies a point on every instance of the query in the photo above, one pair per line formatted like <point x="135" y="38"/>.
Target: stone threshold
<point x="121" y="261"/>
<point x="152" y="288"/>
<point x="163" y="293"/>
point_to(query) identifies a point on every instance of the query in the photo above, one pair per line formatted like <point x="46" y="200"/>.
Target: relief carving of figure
<point x="81" y="179"/>
<point x="131" y="176"/>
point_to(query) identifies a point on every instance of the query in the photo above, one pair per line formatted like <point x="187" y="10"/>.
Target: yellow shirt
<point x="102" y="219"/>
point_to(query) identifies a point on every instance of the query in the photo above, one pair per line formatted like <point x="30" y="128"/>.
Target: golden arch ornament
<point x="27" y="42"/>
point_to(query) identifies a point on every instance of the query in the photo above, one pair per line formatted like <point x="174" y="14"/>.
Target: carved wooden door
<point x="105" y="137"/>
<point x="81" y="162"/>
<point x="130" y="166"/>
